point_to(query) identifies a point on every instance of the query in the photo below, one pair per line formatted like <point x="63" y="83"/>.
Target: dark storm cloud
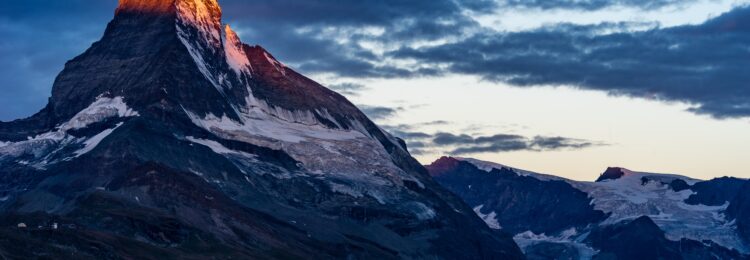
<point x="705" y="65"/>
<point x="309" y="34"/>
<point x="591" y="5"/>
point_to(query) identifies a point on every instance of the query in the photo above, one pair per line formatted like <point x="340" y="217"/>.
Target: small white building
<point x="54" y="225"/>
<point x="21" y="225"/>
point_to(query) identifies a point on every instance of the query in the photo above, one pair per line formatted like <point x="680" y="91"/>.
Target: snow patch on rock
<point x="92" y="142"/>
<point x="216" y="147"/>
<point x="569" y="237"/>
<point x="490" y="218"/>
<point x="103" y="108"/>
<point x="421" y="211"/>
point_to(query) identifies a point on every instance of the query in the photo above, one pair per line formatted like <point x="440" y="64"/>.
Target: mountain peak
<point x="613" y="173"/>
<point x="145" y="6"/>
<point x="177" y="132"/>
<point x="165" y="6"/>
<point x="204" y="15"/>
<point x="443" y="165"/>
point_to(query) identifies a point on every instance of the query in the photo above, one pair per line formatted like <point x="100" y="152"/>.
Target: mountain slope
<point x="170" y="138"/>
<point x="554" y="216"/>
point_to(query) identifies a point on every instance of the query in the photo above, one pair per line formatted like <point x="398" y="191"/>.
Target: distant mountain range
<point x="622" y="215"/>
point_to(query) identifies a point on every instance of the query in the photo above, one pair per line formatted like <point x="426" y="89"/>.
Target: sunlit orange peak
<point x="163" y="6"/>
<point x="151" y="6"/>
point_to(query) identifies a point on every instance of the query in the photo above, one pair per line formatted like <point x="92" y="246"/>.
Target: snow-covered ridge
<point x="43" y="146"/>
<point x="204" y="15"/>
<point x="280" y="67"/>
<point x="200" y="30"/>
<point x="236" y="56"/>
<point x="196" y="51"/>
<point x="488" y="166"/>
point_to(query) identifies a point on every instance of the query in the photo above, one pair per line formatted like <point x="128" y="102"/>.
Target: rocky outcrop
<point x="715" y="192"/>
<point x="612" y="173"/>
<point x="739" y="211"/>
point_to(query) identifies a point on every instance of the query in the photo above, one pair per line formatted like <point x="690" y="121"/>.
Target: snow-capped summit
<point x="170" y="136"/>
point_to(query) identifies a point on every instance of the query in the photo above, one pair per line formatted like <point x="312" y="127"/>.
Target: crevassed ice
<point x="358" y="163"/>
<point x="627" y="198"/>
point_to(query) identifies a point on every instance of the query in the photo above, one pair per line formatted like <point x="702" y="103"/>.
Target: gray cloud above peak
<point x="701" y="64"/>
<point x="591" y="5"/>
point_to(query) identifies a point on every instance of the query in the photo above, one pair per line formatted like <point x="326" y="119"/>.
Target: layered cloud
<point x="702" y="64"/>
<point x="591" y="5"/>
<point x="462" y="144"/>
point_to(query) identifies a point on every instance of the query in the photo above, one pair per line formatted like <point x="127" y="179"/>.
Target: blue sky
<point x="566" y="87"/>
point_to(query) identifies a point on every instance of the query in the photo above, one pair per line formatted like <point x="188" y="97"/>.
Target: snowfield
<point x="629" y="197"/>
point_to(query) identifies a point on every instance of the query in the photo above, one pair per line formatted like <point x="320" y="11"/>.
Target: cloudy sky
<point x="566" y="87"/>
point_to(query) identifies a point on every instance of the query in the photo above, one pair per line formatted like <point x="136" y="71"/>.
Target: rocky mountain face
<point x="521" y="203"/>
<point x="169" y="138"/>
<point x="623" y="215"/>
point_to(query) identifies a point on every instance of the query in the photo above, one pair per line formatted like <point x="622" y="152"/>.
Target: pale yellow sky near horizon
<point x="642" y="135"/>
